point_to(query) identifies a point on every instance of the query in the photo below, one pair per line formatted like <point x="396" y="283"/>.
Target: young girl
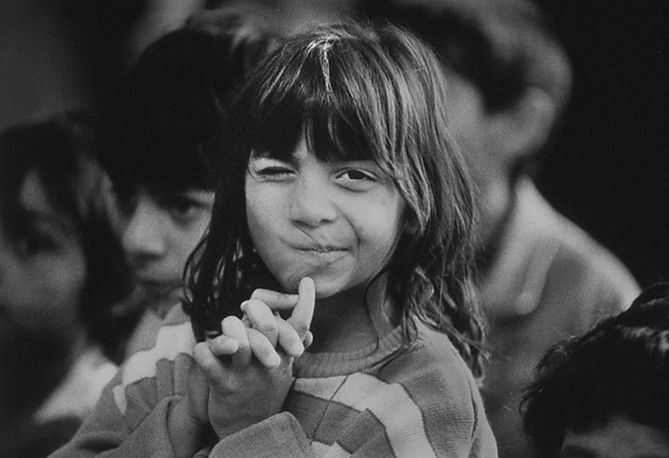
<point x="62" y="275"/>
<point x="345" y="199"/>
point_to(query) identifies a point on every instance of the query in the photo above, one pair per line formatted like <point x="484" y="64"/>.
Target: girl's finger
<point x="275" y="300"/>
<point x="303" y="312"/>
<point x="261" y="319"/>
<point x="289" y="340"/>
<point x="223" y="346"/>
<point x="233" y="327"/>
<point x="211" y="366"/>
<point x="263" y="350"/>
<point x="308" y="340"/>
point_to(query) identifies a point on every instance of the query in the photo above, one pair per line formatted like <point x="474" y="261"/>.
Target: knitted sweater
<point x="379" y="401"/>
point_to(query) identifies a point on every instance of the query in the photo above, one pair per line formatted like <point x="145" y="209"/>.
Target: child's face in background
<point x="159" y="232"/>
<point x="42" y="272"/>
<point x="473" y="129"/>
<point x="336" y="222"/>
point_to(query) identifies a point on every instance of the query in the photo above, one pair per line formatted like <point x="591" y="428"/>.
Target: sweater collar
<point x="313" y="365"/>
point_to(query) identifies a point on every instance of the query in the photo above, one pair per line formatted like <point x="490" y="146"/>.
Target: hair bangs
<point x="335" y="135"/>
<point x="273" y="125"/>
<point x="315" y="98"/>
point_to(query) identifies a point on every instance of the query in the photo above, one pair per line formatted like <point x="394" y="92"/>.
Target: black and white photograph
<point x="334" y="228"/>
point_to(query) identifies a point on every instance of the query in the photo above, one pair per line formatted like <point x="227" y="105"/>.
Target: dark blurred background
<point x="608" y="165"/>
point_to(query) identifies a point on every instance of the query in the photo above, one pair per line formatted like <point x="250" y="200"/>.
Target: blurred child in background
<point x="605" y="394"/>
<point x="62" y="277"/>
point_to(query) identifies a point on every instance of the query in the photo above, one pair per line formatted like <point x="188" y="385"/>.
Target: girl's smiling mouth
<point x="325" y="254"/>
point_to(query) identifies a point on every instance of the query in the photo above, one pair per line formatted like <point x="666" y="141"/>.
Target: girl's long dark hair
<point x="353" y="92"/>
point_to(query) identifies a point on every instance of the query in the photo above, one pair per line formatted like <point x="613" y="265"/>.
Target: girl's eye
<point x="274" y="172"/>
<point x="356" y="179"/>
<point x="355" y="175"/>
<point x="268" y="169"/>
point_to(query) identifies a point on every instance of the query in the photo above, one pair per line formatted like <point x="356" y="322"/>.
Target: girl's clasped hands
<point x="245" y="373"/>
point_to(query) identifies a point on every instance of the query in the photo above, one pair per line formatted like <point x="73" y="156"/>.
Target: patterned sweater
<point x="378" y="401"/>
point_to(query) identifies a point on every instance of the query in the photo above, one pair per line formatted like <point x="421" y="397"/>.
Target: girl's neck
<point x="352" y="319"/>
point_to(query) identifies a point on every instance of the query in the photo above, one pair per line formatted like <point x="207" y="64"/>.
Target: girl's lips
<point x="319" y="247"/>
<point x="322" y="249"/>
<point x="325" y="256"/>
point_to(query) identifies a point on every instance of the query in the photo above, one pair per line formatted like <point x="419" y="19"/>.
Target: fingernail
<point x="297" y="351"/>
<point x="274" y="361"/>
<point x="243" y="306"/>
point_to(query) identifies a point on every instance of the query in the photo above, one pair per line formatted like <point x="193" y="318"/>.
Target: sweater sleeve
<point x="130" y="418"/>
<point x="280" y="435"/>
<point x="149" y="439"/>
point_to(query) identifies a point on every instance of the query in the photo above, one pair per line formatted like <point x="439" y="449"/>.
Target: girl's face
<point x="336" y="222"/>
<point x="159" y="232"/>
<point x="42" y="271"/>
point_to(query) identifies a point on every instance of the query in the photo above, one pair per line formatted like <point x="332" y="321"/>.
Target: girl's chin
<point x="325" y="287"/>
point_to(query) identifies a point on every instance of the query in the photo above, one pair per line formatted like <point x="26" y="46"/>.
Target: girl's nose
<point x="142" y="235"/>
<point x="311" y="202"/>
